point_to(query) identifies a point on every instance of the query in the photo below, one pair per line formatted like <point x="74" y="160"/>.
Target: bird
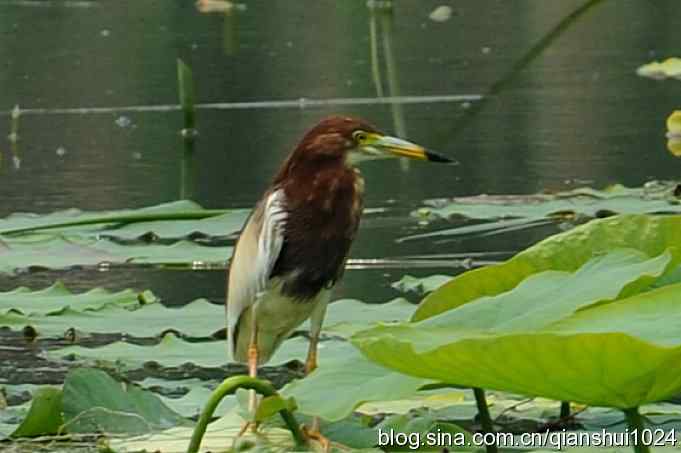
<point x="293" y="247"/>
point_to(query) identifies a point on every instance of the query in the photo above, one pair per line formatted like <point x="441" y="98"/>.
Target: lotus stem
<point x="13" y="136"/>
<point x="564" y="409"/>
<point x="636" y="427"/>
<point x="485" y="419"/>
<point x="185" y="82"/>
<point x="229" y="386"/>
<point x="375" y="64"/>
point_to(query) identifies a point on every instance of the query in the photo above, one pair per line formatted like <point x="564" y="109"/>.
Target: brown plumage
<point x="325" y="203"/>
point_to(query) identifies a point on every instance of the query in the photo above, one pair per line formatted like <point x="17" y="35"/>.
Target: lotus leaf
<point x="57" y="297"/>
<point x="621" y="354"/>
<point x="567" y="251"/>
<point x="94" y="402"/>
<point x="54" y="252"/>
<point x="196" y="319"/>
<point x="168" y="220"/>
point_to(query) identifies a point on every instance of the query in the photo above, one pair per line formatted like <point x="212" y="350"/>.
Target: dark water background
<point x="575" y="114"/>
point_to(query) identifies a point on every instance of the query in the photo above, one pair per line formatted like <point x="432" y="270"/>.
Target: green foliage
<point x="198" y="319"/>
<point x="57" y="298"/>
<point x="171" y="351"/>
<point x="185" y="82"/>
<point x="45" y="415"/>
<point x="354" y="380"/>
<point x="620" y="354"/>
<point x="174" y="220"/>
<point x="55" y="252"/>
<point x="669" y="68"/>
<point x="585" y="201"/>
<point x="421" y="286"/>
<point x="567" y="251"/>
<point x="96" y="403"/>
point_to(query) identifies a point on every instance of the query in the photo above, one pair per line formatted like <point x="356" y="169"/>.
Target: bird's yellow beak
<point x="396" y="147"/>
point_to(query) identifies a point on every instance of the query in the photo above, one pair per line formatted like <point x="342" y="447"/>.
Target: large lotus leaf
<point x="57" y="297"/>
<point x="567" y="251"/>
<point x="173" y="351"/>
<point x="653" y="316"/>
<point x="94" y="402"/>
<point x="169" y="220"/>
<point x="196" y="319"/>
<point x="347" y="316"/>
<point x="622" y="354"/>
<point x="606" y="369"/>
<point x="602" y="278"/>
<point x="344" y="380"/>
<point x="54" y="252"/>
<point x="549" y="296"/>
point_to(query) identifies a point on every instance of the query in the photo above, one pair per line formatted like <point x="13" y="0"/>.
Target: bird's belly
<point x="276" y="317"/>
<point x="277" y="314"/>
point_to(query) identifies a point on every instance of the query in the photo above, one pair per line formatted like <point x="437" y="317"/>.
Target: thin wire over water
<point x="283" y="104"/>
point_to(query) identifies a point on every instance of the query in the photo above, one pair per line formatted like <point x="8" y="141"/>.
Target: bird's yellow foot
<point x="314" y="434"/>
<point x="252" y="426"/>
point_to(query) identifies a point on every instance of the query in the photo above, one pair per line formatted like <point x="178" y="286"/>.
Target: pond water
<point x="528" y="96"/>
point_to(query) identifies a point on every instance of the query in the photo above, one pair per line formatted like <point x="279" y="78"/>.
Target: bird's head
<point x="353" y="140"/>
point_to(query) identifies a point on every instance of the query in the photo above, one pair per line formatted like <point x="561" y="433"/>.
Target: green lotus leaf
<point x="606" y="369"/>
<point x="168" y="220"/>
<point x="347" y="316"/>
<point x="344" y="380"/>
<point x="567" y="251"/>
<point x="622" y="354"/>
<point x="44" y="416"/>
<point x="196" y="319"/>
<point x="57" y="297"/>
<point x="54" y="252"/>
<point x="550" y="296"/>
<point x="94" y="402"/>
<point x="655" y="196"/>
<point x="173" y="351"/>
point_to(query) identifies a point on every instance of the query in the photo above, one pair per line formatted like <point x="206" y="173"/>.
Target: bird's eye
<point x="360" y="137"/>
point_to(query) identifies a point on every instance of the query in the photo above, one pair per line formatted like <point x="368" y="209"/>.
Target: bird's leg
<point x="311" y="360"/>
<point x="316" y="321"/>
<point x="253" y="366"/>
<point x="252" y="372"/>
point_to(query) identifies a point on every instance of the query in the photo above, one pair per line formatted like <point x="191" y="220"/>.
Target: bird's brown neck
<point x="322" y="184"/>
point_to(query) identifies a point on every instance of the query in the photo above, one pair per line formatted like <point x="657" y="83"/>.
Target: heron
<point x="294" y="245"/>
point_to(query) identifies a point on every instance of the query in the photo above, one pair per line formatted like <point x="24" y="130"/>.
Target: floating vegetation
<point x="674" y="133"/>
<point x="496" y="214"/>
<point x="667" y="69"/>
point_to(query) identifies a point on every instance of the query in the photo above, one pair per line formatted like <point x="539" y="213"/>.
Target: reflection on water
<point x="562" y="103"/>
